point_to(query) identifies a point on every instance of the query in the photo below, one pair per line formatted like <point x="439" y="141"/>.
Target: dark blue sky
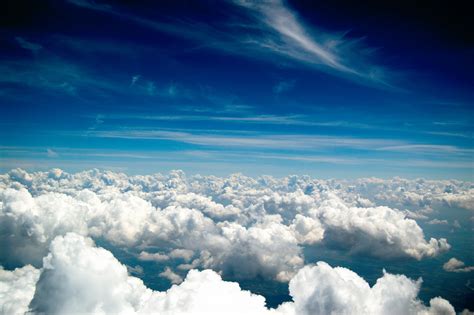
<point x="332" y="89"/>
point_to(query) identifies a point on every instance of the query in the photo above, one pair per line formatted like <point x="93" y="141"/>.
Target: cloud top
<point x="239" y="226"/>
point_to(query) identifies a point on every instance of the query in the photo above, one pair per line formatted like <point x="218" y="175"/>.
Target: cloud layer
<point x="230" y="228"/>
<point x="238" y="226"/>
<point x="78" y="277"/>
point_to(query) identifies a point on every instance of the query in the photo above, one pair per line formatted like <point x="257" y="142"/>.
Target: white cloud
<point x="239" y="226"/>
<point x="321" y="289"/>
<point x="455" y="265"/>
<point x="17" y="288"/>
<point x="152" y="256"/>
<point x="171" y="276"/>
<point x="78" y="277"/>
<point x="438" y="222"/>
<point x="382" y="231"/>
<point x="282" y="32"/>
<point x="179" y="253"/>
<point x="268" y="29"/>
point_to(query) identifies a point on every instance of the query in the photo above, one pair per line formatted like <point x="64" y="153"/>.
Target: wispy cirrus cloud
<point x="284" y="86"/>
<point x="294" y="120"/>
<point x="292" y="38"/>
<point x="39" y="158"/>
<point x="28" y="45"/>
<point x="249" y="140"/>
<point x="428" y="148"/>
<point x="307" y="147"/>
<point x="268" y="28"/>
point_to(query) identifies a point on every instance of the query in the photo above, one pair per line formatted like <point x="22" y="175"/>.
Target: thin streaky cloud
<point x="285" y="34"/>
<point x="347" y="160"/>
<point x="29" y="157"/>
<point x="28" y="45"/>
<point x="280" y="19"/>
<point x="451" y="134"/>
<point x="297" y="120"/>
<point x="271" y="28"/>
<point x="288" y="141"/>
<point x="427" y="148"/>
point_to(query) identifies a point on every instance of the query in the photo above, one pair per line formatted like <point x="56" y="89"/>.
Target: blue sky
<point x="329" y="90"/>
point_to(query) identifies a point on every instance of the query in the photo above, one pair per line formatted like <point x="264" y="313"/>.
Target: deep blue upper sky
<point x="333" y="89"/>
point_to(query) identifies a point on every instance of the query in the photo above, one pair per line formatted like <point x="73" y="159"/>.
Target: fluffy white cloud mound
<point x="321" y="289"/>
<point x="79" y="278"/>
<point x="456" y="265"/>
<point x="384" y="231"/>
<point x="17" y="288"/>
<point x="28" y="224"/>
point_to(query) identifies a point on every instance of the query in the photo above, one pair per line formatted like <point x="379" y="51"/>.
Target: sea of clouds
<point x="207" y="229"/>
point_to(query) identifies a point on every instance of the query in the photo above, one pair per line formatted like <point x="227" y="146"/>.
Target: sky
<point x="333" y="90"/>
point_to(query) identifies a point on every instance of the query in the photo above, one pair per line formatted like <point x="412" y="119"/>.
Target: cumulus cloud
<point x="78" y="277"/>
<point x="321" y="289"/>
<point x="17" y="288"/>
<point x="382" y="230"/>
<point x="171" y="276"/>
<point x="238" y="226"/>
<point x="455" y="265"/>
<point x="438" y="221"/>
<point x="184" y="254"/>
<point x="152" y="256"/>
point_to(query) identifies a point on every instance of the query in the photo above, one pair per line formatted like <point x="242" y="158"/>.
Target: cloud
<point x="321" y="289"/>
<point x="238" y="226"/>
<point x="271" y="141"/>
<point x="173" y="277"/>
<point x="267" y="30"/>
<point x="51" y="153"/>
<point x="25" y="44"/>
<point x="152" y="257"/>
<point x="283" y="33"/>
<point x="280" y="19"/>
<point x="294" y="120"/>
<point x="78" y="277"/>
<point x="428" y="149"/>
<point x="382" y="231"/>
<point x="135" y="79"/>
<point x="283" y="86"/>
<point x="438" y="222"/>
<point x="17" y="288"/>
<point x="455" y="265"/>
<point x="48" y="75"/>
<point x="184" y="254"/>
